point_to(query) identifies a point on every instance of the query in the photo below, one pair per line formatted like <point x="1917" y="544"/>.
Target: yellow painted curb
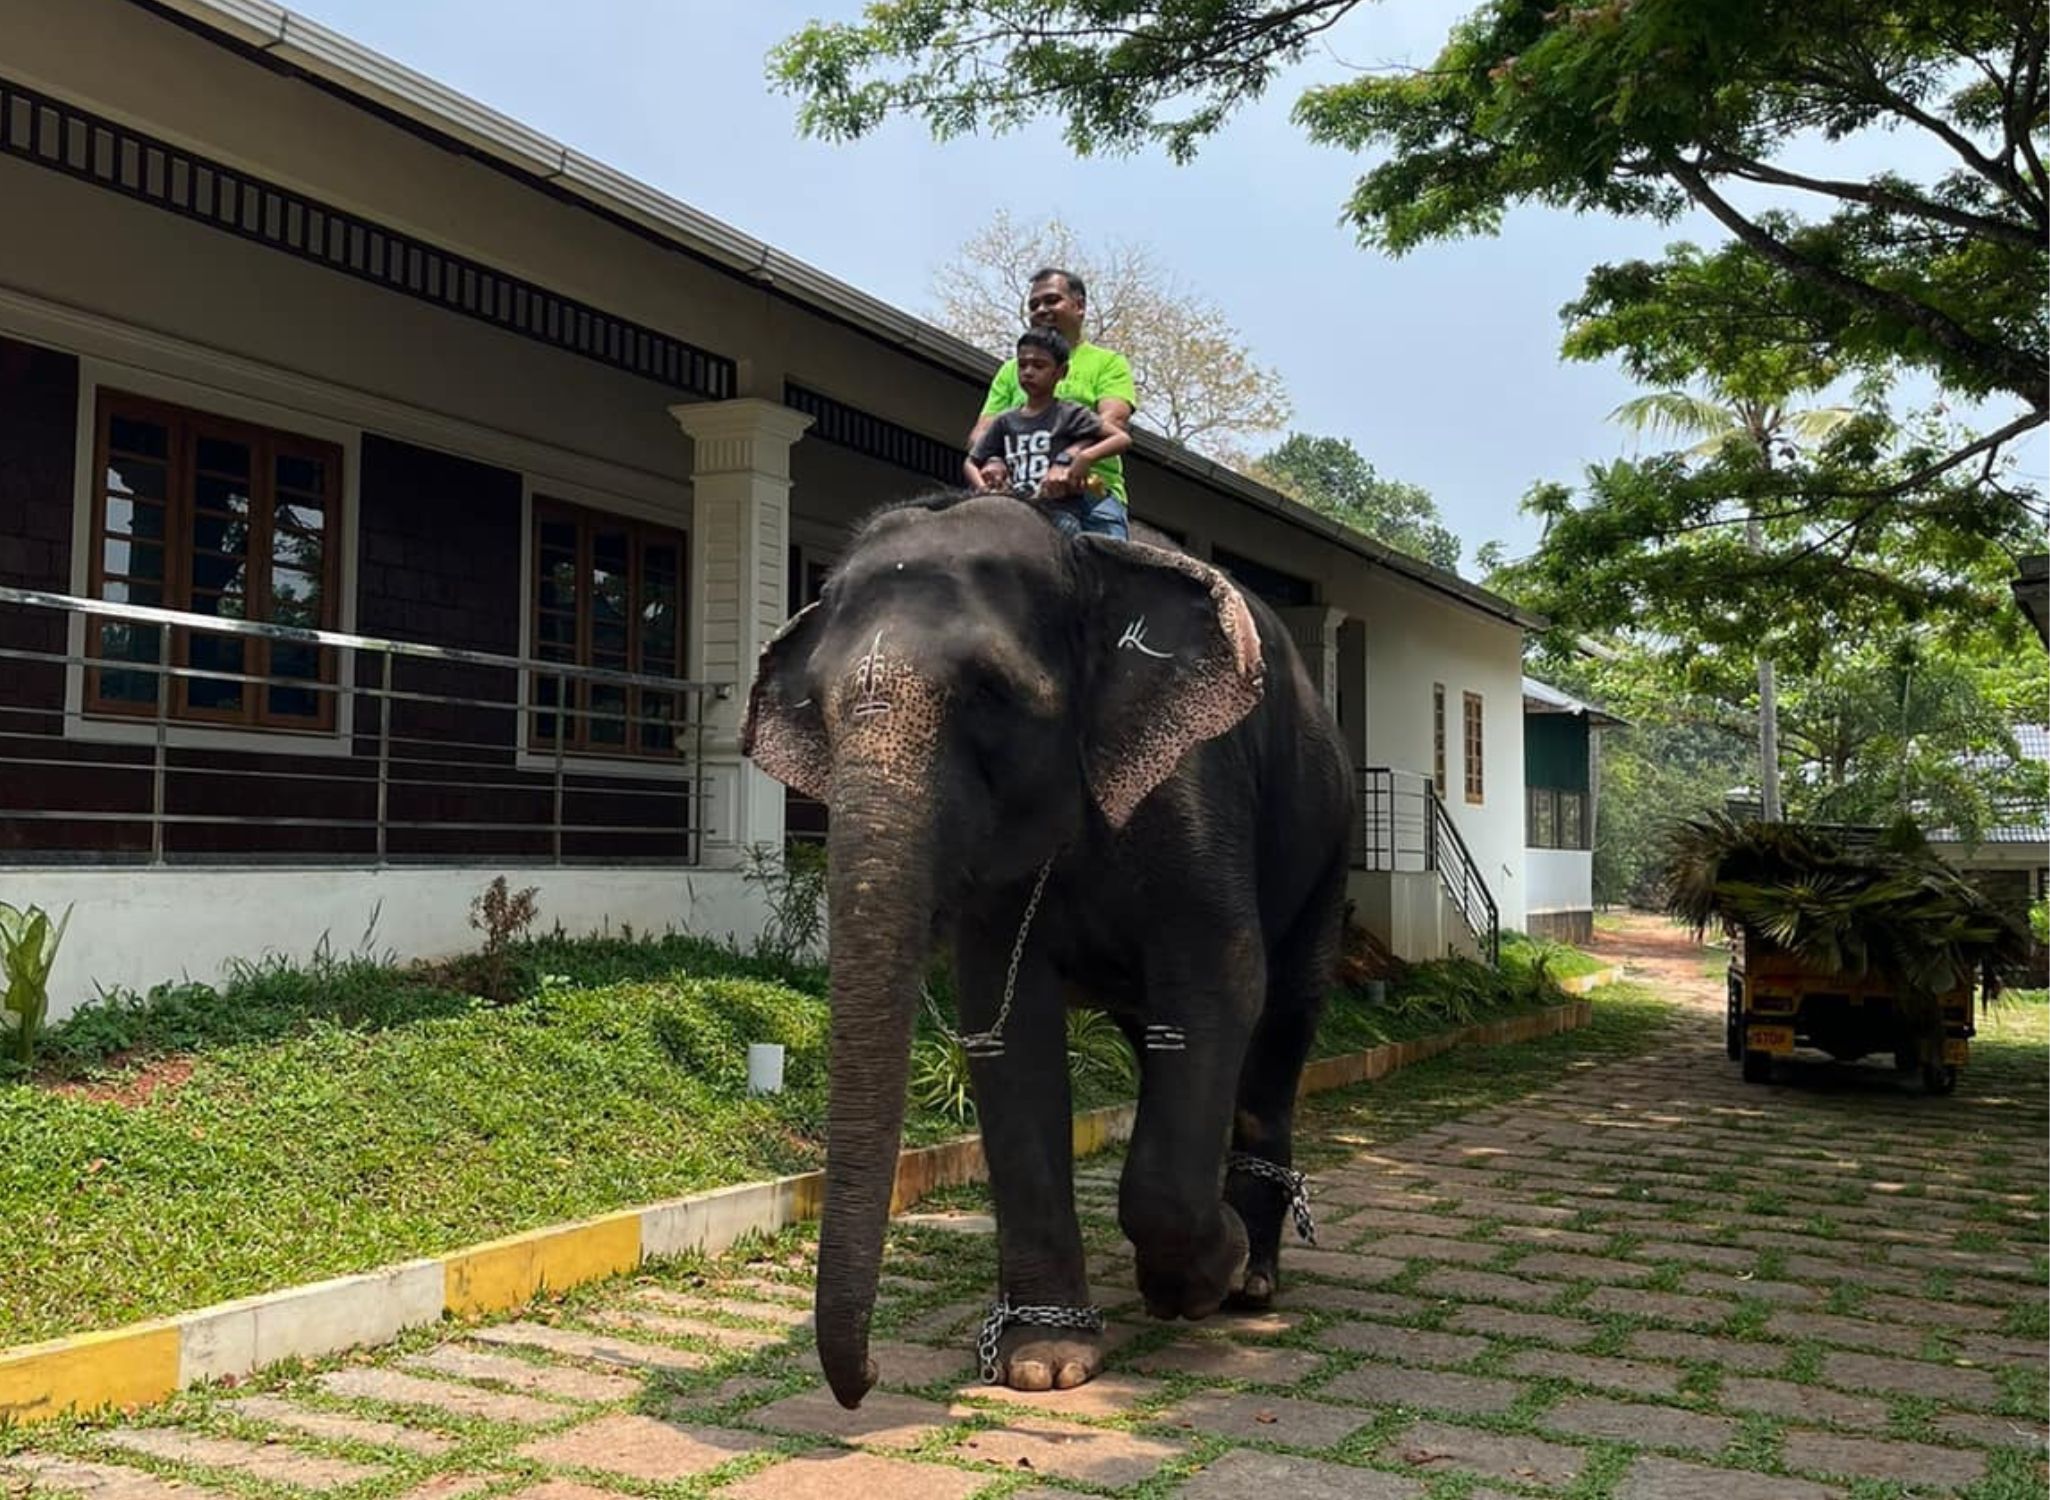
<point x="508" y="1272"/>
<point x="141" y="1363"/>
<point x="121" y="1367"/>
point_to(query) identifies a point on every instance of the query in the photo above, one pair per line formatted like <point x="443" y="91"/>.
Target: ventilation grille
<point x="63" y="138"/>
<point x="849" y="427"/>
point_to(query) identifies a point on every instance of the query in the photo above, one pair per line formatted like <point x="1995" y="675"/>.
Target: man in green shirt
<point x="1096" y="378"/>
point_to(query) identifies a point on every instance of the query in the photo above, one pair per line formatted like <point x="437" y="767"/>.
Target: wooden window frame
<point x="185" y="426"/>
<point x="640" y="534"/>
<point x="1564" y="835"/>
<point x="1472" y="743"/>
<point x="1438" y="738"/>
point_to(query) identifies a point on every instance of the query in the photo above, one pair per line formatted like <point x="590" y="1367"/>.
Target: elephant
<point x="1100" y="770"/>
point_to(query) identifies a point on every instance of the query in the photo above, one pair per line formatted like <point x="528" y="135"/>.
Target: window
<point x="608" y="593"/>
<point x="1471" y="745"/>
<point x="195" y="512"/>
<point x="1556" y="819"/>
<point x="1438" y="737"/>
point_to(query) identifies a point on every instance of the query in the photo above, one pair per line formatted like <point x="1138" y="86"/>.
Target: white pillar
<point x="1314" y="629"/>
<point x="739" y="541"/>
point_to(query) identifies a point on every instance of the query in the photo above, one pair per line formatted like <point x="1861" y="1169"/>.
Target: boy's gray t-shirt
<point x="1027" y="443"/>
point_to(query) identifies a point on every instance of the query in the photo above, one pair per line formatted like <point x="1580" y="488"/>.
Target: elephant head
<point x="969" y="693"/>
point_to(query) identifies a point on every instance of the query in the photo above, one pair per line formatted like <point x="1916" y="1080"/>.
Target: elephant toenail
<point x="1072" y="1375"/>
<point x="1031" y="1375"/>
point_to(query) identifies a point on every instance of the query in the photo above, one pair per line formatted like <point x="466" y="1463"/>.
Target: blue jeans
<point x="1076" y="514"/>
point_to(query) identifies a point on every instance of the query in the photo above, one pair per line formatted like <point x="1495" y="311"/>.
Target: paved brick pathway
<point x="1648" y="1282"/>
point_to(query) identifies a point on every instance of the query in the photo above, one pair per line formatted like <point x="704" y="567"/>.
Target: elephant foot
<point x="1256" y="1293"/>
<point x="1042" y="1359"/>
<point x="1196" y="1285"/>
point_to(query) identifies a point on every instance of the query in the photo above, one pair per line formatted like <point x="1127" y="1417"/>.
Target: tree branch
<point x="1876" y="91"/>
<point x="2009" y="369"/>
<point x="2027" y="237"/>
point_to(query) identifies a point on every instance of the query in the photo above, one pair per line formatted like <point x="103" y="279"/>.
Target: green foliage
<point x="2039" y="920"/>
<point x="792" y="881"/>
<point x="1756" y="113"/>
<point x="28" y="951"/>
<point x="1101" y="1067"/>
<point x="1333" y="478"/>
<point x="1887" y="907"/>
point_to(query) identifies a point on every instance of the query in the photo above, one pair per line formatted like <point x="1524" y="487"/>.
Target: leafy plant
<point x="503" y="915"/>
<point x="1886" y="905"/>
<point x="792" y="881"/>
<point x="28" y="950"/>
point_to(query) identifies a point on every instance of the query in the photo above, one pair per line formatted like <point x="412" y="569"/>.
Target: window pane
<point x="303" y="515"/>
<point x="295" y="549"/>
<point x="229" y="495"/>
<point x="559" y="536"/>
<point x="135" y="478"/>
<point x="607" y="725"/>
<point x="545" y="696"/>
<point x="136" y="559"/>
<point x="122" y="591"/>
<point x="230" y="605"/>
<point x="133" y="518"/>
<point x="214" y="573"/>
<point x="555" y="635"/>
<point x="1572" y="835"/>
<point x="136" y="435"/>
<point x="294" y="598"/>
<point x="221" y="534"/>
<point x="295" y="472"/>
<point x="218" y="455"/>
<point x="558" y="583"/>
<point x="292" y="703"/>
<point x="608" y="641"/>
<point x="657" y="710"/>
<point x="218" y="654"/>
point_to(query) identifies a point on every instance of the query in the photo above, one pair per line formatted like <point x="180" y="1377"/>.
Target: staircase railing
<point x="1404" y="826"/>
<point x="1460" y="875"/>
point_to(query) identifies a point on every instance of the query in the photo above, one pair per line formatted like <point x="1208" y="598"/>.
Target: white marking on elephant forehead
<point x="1134" y="639"/>
<point x="870" y="700"/>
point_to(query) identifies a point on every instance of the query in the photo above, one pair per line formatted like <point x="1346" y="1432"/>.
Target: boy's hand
<point x="1064" y="477"/>
<point x="994" y="475"/>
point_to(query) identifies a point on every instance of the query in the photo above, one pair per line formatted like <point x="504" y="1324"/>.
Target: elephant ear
<point x="785" y="733"/>
<point x="1181" y="663"/>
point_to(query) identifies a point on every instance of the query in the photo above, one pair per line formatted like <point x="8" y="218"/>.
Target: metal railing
<point x="411" y="753"/>
<point x="1405" y="827"/>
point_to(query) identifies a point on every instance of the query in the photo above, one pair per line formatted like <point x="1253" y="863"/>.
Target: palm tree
<point x="1718" y="421"/>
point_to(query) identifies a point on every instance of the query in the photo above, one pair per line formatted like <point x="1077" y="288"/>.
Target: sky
<point x="1441" y="367"/>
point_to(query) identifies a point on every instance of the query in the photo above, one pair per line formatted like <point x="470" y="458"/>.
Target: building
<point x="533" y="459"/>
<point x="1562" y="784"/>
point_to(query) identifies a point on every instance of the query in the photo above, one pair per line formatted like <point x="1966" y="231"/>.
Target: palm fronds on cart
<point x="1884" y="905"/>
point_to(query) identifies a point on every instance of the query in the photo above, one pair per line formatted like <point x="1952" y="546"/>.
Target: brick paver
<point x="1643" y="1281"/>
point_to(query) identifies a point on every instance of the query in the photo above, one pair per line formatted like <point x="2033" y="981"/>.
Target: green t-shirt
<point x="1093" y="374"/>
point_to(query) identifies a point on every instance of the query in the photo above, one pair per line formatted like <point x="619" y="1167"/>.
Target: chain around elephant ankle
<point x="1290" y="1181"/>
<point x="1003" y="1315"/>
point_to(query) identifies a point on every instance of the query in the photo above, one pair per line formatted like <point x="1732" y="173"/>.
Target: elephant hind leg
<point x="1299" y="970"/>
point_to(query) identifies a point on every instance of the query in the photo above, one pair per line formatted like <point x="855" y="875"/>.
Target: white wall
<point x="137" y="928"/>
<point x="1415" y="638"/>
<point x="1558" y="880"/>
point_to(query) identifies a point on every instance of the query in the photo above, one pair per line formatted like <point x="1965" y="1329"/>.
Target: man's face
<point x="1037" y="373"/>
<point x="1050" y="305"/>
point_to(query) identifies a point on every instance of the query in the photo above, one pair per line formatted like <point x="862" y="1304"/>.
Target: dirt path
<point x="1661" y="954"/>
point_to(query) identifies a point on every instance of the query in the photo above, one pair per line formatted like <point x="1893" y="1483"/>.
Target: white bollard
<point x="765" y="1067"/>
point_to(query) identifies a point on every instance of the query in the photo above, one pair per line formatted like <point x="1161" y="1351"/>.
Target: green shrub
<point x="28" y="950"/>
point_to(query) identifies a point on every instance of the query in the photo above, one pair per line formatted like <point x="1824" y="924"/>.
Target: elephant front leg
<point x="1191" y="1245"/>
<point x="1021" y="1096"/>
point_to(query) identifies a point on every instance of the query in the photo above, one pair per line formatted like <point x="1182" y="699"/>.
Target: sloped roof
<point x="292" y="43"/>
<point x="2019" y="821"/>
<point x="1543" y="698"/>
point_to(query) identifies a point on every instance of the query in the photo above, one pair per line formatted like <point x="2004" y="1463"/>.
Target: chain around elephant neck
<point x="990" y="1043"/>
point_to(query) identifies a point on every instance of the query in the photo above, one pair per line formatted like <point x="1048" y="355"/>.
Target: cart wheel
<point x="1940" y="1078"/>
<point x="1758" y="1067"/>
<point x="1733" y="1021"/>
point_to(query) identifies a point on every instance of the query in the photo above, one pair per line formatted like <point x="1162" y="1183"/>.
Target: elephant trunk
<point x="879" y="855"/>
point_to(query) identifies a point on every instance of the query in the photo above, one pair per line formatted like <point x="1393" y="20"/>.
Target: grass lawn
<point x="307" y="1123"/>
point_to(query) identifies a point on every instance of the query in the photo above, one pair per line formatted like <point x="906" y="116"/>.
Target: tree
<point x="1639" y="109"/>
<point x="1331" y="477"/>
<point x="1197" y="385"/>
<point x="1769" y="430"/>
